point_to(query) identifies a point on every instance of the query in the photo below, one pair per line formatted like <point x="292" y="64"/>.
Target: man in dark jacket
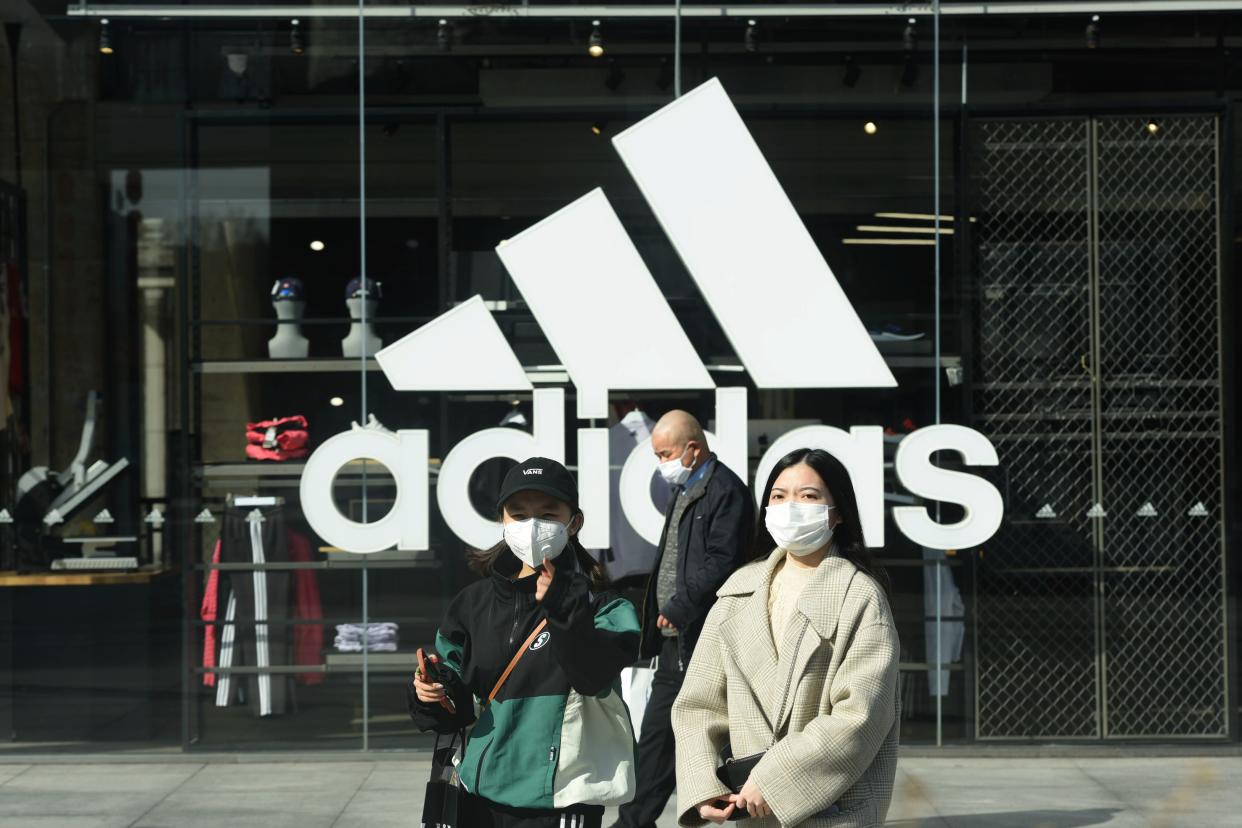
<point x="708" y="527"/>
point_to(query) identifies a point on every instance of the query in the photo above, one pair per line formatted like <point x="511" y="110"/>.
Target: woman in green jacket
<point x="555" y="745"/>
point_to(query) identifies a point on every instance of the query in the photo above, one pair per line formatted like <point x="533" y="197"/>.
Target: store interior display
<point x="288" y="302"/>
<point x="628" y="555"/>
<point x="278" y="440"/>
<point x="374" y="637"/>
<point x="362" y="299"/>
<point x="190" y="263"/>
<point x="944" y="630"/>
<point x="47" y="499"/>
<point x="373" y="424"/>
<point x="255" y="630"/>
<point x="894" y="333"/>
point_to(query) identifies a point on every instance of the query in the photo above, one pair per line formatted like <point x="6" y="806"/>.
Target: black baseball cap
<point x="539" y="474"/>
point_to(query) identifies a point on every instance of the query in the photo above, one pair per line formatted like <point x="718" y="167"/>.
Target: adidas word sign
<point x="758" y="269"/>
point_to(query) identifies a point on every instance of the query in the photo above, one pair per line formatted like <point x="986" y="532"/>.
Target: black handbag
<point x="733" y="772"/>
<point x="442" y="800"/>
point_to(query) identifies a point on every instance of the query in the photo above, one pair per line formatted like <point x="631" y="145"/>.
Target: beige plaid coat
<point x="838" y="729"/>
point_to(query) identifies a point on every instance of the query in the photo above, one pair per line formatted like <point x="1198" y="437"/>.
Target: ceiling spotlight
<point x="1152" y="127"/>
<point x="295" y="38"/>
<point x="105" y="38"/>
<point x="870" y="128"/>
<point x="751" y="39"/>
<point x="615" y="76"/>
<point x="852" y="73"/>
<point x="317" y="246"/>
<point x="595" y="44"/>
<point x="444" y="37"/>
<point x="336" y="402"/>
<point x="910" y="35"/>
<point x="1093" y="32"/>
<point x="598" y="127"/>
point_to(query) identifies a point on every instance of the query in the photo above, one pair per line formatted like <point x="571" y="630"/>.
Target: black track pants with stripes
<point x="480" y="813"/>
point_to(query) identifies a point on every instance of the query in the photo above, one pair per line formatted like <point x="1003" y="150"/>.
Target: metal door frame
<point x="1091" y="121"/>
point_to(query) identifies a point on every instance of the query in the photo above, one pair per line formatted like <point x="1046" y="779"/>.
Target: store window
<point x="212" y="222"/>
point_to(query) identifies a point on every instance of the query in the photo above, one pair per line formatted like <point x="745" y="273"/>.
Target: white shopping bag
<point x="636" y="690"/>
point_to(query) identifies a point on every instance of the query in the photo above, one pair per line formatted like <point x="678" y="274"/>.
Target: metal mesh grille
<point x="1036" y="651"/>
<point x="1112" y="625"/>
<point x="1159" y="336"/>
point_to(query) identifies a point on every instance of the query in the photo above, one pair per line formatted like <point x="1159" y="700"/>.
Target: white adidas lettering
<point x="710" y="195"/>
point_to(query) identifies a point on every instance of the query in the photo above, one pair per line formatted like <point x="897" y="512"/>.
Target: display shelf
<point x="336" y="365"/>
<point x="334" y="663"/>
<point x="352" y="564"/>
<point x="541" y="374"/>
<point x="213" y="471"/>
<point x="255" y="469"/>
<point x="430" y="620"/>
<point x="927" y="361"/>
<point x="404" y="660"/>
<point x="317" y="320"/>
<point x="281" y="366"/>
<point x="142" y="575"/>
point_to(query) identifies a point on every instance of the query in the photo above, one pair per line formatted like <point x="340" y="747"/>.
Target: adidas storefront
<point x="286" y="296"/>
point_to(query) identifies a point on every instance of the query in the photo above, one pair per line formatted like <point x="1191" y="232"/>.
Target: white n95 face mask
<point x="535" y="540"/>
<point x="799" y="528"/>
<point x="673" y="472"/>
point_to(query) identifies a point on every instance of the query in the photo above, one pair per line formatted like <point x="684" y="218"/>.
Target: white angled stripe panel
<point x="749" y="252"/>
<point x="460" y="350"/>
<point x="597" y="304"/>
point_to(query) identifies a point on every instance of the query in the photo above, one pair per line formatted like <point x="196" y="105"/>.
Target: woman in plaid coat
<point x="797" y="662"/>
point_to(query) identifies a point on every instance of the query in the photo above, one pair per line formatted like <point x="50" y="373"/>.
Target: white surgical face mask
<point x="535" y="540"/>
<point x="673" y="472"/>
<point x="799" y="528"/>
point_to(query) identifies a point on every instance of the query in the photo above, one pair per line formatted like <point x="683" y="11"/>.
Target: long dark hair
<point x="483" y="561"/>
<point x="848" y="536"/>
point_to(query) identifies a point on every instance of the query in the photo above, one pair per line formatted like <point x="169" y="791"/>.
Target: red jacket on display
<point x="284" y="438"/>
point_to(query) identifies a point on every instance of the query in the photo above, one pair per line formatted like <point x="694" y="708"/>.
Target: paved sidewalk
<point x="177" y="791"/>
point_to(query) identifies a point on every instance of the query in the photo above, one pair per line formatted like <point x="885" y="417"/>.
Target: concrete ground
<point x="1003" y="791"/>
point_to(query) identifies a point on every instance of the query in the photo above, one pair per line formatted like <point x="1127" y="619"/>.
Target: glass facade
<point x="212" y="218"/>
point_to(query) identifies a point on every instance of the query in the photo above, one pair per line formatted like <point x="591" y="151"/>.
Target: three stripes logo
<point x="761" y="273"/>
<point x="741" y="240"/>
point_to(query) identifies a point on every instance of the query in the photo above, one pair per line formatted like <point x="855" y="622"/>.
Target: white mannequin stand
<point x="360" y="334"/>
<point x="288" y="343"/>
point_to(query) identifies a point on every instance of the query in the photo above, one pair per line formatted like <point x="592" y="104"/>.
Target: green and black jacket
<point x="512" y="752"/>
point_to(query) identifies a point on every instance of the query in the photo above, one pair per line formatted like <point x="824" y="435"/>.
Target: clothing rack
<point x="253" y="500"/>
